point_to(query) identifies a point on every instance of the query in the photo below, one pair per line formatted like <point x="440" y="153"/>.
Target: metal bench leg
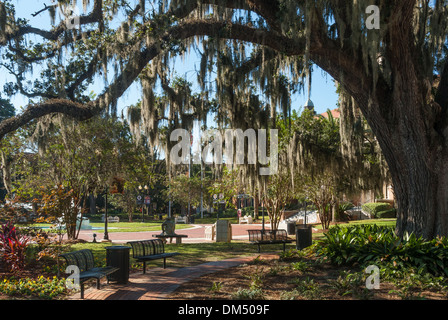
<point x="164" y="263"/>
<point x="144" y="267"/>
<point x="98" y="285"/>
<point x="82" y="290"/>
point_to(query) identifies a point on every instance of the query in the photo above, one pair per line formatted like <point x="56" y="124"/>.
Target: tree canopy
<point x="389" y="59"/>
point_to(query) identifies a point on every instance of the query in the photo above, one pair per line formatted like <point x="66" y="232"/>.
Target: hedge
<point x="391" y="213"/>
<point x="374" y="208"/>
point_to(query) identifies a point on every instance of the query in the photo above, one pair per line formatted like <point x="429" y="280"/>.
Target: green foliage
<point x="373" y="208"/>
<point x="13" y="247"/>
<point x="306" y="288"/>
<point x="340" y="211"/>
<point x="188" y="190"/>
<point x="216" y="286"/>
<point x="44" y="288"/>
<point x="351" y="284"/>
<point x="248" y="294"/>
<point x="391" y="213"/>
<point x="6" y="109"/>
<point x="367" y="244"/>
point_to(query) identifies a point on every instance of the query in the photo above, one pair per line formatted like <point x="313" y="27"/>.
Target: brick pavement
<point x="195" y="234"/>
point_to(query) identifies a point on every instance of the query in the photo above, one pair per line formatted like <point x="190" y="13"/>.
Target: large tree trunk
<point x="417" y="157"/>
<point x="409" y="122"/>
<point x="405" y="121"/>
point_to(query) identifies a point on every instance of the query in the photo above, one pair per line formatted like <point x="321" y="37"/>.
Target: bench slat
<point x="146" y="250"/>
<point x="260" y="237"/>
<point x="85" y="261"/>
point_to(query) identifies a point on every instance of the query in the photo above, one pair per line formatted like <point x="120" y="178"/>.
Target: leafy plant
<point x="362" y="244"/>
<point x="256" y="279"/>
<point x="373" y="208"/>
<point x="352" y="284"/>
<point x="216" y="286"/>
<point x="248" y="294"/>
<point x="301" y="266"/>
<point x="307" y="288"/>
<point x="291" y="254"/>
<point x="13" y="246"/>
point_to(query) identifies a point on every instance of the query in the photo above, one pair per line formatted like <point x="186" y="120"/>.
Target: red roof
<point x="335" y="112"/>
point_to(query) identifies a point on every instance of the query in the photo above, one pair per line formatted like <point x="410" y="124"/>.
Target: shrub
<point x="13" y="247"/>
<point x="367" y="244"/>
<point x="373" y="208"/>
<point x="391" y="213"/>
<point x="340" y="212"/>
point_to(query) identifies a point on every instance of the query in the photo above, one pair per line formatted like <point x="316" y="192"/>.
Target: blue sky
<point x="323" y="91"/>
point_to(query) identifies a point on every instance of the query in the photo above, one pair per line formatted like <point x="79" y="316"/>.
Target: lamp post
<point x="262" y="217"/>
<point x="144" y="197"/>
<point x="146" y="204"/>
<point x="106" y="233"/>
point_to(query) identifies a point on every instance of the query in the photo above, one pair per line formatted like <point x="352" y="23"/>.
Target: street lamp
<point x="144" y="198"/>
<point x="106" y="234"/>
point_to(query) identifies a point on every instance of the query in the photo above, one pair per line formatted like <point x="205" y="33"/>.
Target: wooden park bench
<point x="147" y="250"/>
<point x="84" y="260"/>
<point x="260" y="237"/>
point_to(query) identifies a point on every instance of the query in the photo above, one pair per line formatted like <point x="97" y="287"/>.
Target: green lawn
<point x="191" y="253"/>
<point x="127" y="226"/>
<point x="197" y="253"/>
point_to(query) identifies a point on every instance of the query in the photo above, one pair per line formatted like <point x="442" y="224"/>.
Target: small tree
<point x="321" y="190"/>
<point x="229" y="185"/>
<point x="62" y="205"/>
<point x="279" y="192"/>
<point x="187" y="190"/>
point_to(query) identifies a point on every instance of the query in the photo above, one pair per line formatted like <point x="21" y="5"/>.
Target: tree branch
<point x="35" y="111"/>
<point x="44" y="9"/>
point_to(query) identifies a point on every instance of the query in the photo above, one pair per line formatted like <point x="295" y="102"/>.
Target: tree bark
<point x="417" y="157"/>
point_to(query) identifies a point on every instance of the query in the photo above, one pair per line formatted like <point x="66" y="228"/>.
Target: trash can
<point x="304" y="236"/>
<point x="291" y="228"/>
<point x="223" y="231"/>
<point x="118" y="256"/>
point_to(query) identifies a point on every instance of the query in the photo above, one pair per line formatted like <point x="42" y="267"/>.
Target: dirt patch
<point x="303" y="279"/>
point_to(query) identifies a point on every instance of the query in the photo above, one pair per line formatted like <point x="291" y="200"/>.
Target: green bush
<point x="391" y="213"/>
<point x="372" y="244"/>
<point x="247" y="211"/>
<point x="373" y="208"/>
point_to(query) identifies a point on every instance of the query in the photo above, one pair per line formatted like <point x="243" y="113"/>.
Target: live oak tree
<point x="390" y="61"/>
<point x="75" y="161"/>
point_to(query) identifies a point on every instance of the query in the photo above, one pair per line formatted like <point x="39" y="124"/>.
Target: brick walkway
<point x="158" y="283"/>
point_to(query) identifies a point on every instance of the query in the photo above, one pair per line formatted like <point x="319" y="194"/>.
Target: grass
<point x="191" y="253"/>
<point x="198" y="253"/>
<point x="127" y="226"/>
